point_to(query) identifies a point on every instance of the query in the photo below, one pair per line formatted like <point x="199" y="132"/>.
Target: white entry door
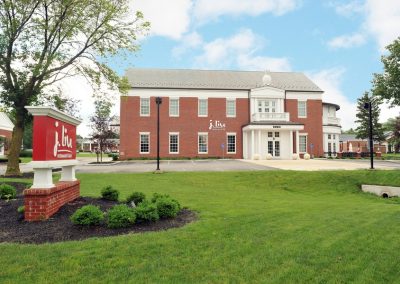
<point x="274" y="144"/>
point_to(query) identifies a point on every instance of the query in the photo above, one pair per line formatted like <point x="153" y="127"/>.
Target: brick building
<point x="231" y="114"/>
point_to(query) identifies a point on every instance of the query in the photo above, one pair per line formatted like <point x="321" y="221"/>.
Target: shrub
<point x="120" y="216"/>
<point x="167" y="207"/>
<point x="109" y="193"/>
<point x="115" y="157"/>
<point x="7" y="191"/>
<point x="157" y="196"/>
<point x="26" y="153"/>
<point x="21" y="209"/>
<point x="146" y="212"/>
<point x="136" y="197"/>
<point x="87" y="215"/>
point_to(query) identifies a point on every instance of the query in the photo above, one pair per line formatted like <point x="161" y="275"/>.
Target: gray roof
<point x="217" y="79"/>
<point x="350" y="137"/>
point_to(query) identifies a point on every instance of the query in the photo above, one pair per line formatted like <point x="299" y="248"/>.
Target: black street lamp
<point x="158" y="102"/>
<point x="368" y="106"/>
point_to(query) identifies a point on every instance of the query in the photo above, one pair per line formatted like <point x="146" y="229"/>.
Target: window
<point x="144" y="143"/>
<point x="277" y="134"/>
<point x="203" y="107"/>
<point x="269" y="134"/>
<point x="173" y="143"/>
<point x="173" y="107"/>
<point x="144" y="106"/>
<point x="230" y="108"/>
<point x="329" y="136"/>
<point x="203" y="143"/>
<point x="334" y="147"/>
<point x="302" y="143"/>
<point x="266" y="106"/>
<point x="302" y="108"/>
<point x="231" y="143"/>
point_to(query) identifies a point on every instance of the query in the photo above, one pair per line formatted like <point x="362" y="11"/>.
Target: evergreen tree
<point x="362" y="121"/>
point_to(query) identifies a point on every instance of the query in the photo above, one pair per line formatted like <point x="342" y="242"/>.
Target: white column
<point x="42" y="178"/>
<point x="68" y="173"/>
<point x="259" y="144"/>
<point x="297" y="142"/>
<point x="291" y="143"/>
<point x="252" y="145"/>
<point x="244" y="145"/>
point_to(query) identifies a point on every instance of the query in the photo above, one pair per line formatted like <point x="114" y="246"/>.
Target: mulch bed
<point x="59" y="228"/>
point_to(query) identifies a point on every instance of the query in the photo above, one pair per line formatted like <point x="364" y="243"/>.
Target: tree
<point x="45" y="41"/>
<point x="362" y="115"/>
<point x="393" y="127"/>
<point x="387" y="85"/>
<point x="100" y="124"/>
<point x="349" y="131"/>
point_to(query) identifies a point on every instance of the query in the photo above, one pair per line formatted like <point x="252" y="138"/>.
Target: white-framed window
<point x="230" y="108"/>
<point x="144" y="106"/>
<point x="203" y="107"/>
<point x="203" y="143"/>
<point x="173" y="143"/>
<point x="303" y="143"/>
<point x="174" y="107"/>
<point x="302" y="108"/>
<point x="144" y="142"/>
<point x="266" y="106"/>
<point x="231" y="143"/>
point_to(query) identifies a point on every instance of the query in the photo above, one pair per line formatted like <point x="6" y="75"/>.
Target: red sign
<point x="53" y="139"/>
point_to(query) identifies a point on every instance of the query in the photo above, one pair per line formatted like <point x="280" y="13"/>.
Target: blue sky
<point x="337" y="43"/>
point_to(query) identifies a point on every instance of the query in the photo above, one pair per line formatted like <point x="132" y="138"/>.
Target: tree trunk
<point x="15" y="146"/>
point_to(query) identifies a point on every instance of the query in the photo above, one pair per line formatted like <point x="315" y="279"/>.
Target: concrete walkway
<point x="326" y="164"/>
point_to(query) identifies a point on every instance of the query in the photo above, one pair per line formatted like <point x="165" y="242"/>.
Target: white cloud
<point x="387" y="112"/>
<point x="206" y="10"/>
<point x="167" y="18"/>
<point x="329" y="81"/>
<point x="348" y="9"/>
<point x="238" y="51"/>
<point x="189" y="41"/>
<point x="347" y="41"/>
<point x="383" y="21"/>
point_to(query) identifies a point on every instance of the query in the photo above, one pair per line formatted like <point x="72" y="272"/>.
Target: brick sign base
<point x="41" y="204"/>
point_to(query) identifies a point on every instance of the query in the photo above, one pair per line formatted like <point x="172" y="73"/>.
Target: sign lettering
<point x="216" y="125"/>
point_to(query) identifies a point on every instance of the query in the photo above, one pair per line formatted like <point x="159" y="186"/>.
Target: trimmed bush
<point x="109" y="193"/>
<point x="167" y="207"/>
<point x="120" y="216"/>
<point x="157" y="196"/>
<point x="87" y="215"/>
<point x="26" y="153"/>
<point x="137" y="197"/>
<point x="21" y="209"/>
<point x="146" y="212"/>
<point x="7" y="191"/>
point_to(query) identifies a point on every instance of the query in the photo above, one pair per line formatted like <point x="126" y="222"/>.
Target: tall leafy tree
<point x="100" y="124"/>
<point x="387" y="84"/>
<point x="393" y="127"/>
<point x="45" y="41"/>
<point x="362" y="130"/>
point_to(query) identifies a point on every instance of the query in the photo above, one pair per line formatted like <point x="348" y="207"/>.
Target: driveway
<point x="137" y="166"/>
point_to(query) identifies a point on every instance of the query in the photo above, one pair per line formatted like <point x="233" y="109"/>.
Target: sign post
<point x="54" y="146"/>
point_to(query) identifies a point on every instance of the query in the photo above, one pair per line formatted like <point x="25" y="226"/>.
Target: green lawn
<point x="276" y="226"/>
<point x="88" y="154"/>
<point x="392" y="156"/>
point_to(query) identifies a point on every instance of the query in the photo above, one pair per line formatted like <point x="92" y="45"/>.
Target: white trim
<point x="290" y="95"/>
<point x="231" y="134"/>
<point x="305" y="135"/>
<point x="169" y="106"/>
<point x="198" y="107"/>
<point x="140" y="106"/>
<point x="52" y="164"/>
<point x="140" y="142"/>
<point x="271" y="127"/>
<point x="198" y="142"/>
<point x="188" y="93"/>
<point x="226" y="106"/>
<point x="169" y="142"/>
<point x="54" y="113"/>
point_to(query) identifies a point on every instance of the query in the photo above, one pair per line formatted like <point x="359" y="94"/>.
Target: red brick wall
<point x="188" y="124"/>
<point x="312" y="124"/>
<point x="6" y="133"/>
<point x="41" y="204"/>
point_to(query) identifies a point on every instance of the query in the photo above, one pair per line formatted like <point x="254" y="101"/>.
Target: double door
<point x="274" y="144"/>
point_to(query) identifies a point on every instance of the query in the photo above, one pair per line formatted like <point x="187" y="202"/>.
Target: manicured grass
<point x="392" y="156"/>
<point x="88" y="154"/>
<point x="25" y="159"/>
<point x="277" y="226"/>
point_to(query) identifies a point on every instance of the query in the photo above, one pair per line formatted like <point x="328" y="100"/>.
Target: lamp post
<point x="368" y="106"/>
<point x="158" y="102"/>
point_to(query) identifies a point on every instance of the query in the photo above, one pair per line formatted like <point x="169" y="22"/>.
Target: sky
<point x="337" y="44"/>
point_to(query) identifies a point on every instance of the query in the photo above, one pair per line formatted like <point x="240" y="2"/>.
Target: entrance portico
<point x="271" y="141"/>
